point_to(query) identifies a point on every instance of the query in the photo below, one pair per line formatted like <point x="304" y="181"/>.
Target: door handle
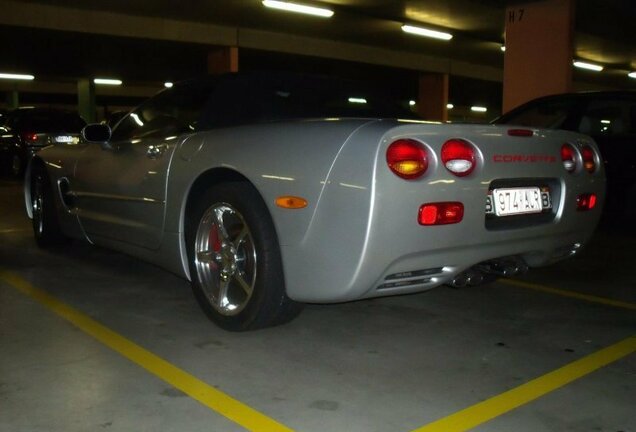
<point x="155" y="151"/>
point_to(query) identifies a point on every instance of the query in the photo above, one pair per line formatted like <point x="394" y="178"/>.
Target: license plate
<point x="513" y="201"/>
<point x="67" y="139"/>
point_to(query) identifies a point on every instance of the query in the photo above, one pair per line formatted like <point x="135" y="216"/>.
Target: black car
<point x="24" y="131"/>
<point x="607" y="116"/>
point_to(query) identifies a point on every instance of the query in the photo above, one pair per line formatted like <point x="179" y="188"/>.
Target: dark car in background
<point x="23" y="131"/>
<point x="607" y="116"/>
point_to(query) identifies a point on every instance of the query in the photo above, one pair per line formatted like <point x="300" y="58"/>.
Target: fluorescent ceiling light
<point x="478" y="108"/>
<point x="421" y="31"/>
<point x="606" y="121"/>
<point x="450" y="106"/>
<point x="168" y="84"/>
<point x="412" y="103"/>
<point x="588" y="66"/>
<point x="357" y="100"/>
<point x="107" y="81"/>
<point x="294" y="7"/>
<point x="16" y="76"/>
<point x="632" y="74"/>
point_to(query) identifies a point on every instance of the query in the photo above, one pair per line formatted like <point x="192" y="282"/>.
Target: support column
<point x="539" y="49"/>
<point x="86" y="100"/>
<point x="433" y="97"/>
<point x="13" y="99"/>
<point x="223" y="60"/>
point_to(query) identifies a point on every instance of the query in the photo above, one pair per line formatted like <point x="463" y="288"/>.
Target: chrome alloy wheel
<point x="225" y="259"/>
<point x="37" y="200"/>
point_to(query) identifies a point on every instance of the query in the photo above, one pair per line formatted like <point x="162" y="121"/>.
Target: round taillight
<point x="589" y="162"/>
<point x="568" y="156"/>
<point x="458" y="156"/>
<point x="407" y="158"/>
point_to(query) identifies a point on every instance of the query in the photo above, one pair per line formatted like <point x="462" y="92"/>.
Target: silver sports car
<point x="267" y="191"/>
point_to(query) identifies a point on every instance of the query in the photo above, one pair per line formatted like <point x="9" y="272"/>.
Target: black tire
<point x="46" y="225"/>
<point x="235" y="261"/>
<point x="16" y="166"/>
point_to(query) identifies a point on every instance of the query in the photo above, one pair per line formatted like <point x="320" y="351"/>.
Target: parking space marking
<point x="13" y="230"/>
<point x="204" y="393"/>
<point x="496" y="406"/>
<point x="571" y="294"/>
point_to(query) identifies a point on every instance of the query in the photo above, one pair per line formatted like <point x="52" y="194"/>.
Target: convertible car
<point x="268" y="191"/>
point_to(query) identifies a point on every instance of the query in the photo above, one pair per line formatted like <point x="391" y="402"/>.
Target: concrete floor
<point x="392" y="364"/>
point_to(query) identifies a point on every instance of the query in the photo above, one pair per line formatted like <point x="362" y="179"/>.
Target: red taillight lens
<point x="586" y="202"/>
<point x="458" y="157"/>
<point x="407" y="158"/>
<point x="589" y="162"/>
<point x="29" y="136"/>
<point x="441" y="213"/>
<point x="568" y="156"/>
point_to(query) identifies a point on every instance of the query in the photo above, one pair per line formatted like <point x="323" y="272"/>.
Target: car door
<point x="120" y="186"/>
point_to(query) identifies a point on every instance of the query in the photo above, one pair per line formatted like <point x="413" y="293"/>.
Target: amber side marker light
<point x="291" y="202"/>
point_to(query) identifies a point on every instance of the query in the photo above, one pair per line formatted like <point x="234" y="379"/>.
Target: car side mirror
<point x="96" y="132"/>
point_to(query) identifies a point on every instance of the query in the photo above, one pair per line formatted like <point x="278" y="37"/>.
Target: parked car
<point x="268" y="191"/>
<point x="24" y="131"/>
<point x="607" y="116"/>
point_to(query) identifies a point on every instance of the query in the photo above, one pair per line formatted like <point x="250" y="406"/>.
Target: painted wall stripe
<point x="487" y="410"/>
<point x="564" y="293"/>
<point x="218" y="401"/>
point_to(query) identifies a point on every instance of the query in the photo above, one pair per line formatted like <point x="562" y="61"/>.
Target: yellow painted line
<point x="223" y="404"/>
<point x="13" y="230"/>
<point x="487" y="410"/>
<point x="564" y="293"/>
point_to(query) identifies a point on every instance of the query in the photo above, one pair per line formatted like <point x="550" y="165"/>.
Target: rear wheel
<point x="46" y="225"/>
<point x="235" y="261"/>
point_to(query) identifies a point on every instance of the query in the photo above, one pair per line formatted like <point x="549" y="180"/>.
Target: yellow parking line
<point x="487" y="410"/>
<point x="223" y="404"/>
<point x="564" y="293"/>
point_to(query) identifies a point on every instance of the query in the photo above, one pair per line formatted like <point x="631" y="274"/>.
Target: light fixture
<point x="16" y="76"/>
<point x="450" y="106"/>
<point x="477" y="108"/>
<point x="632" y="74"/>
<point x="107" y="81"/>
<point x="357" y="100"/>
<point x="502" y="48"/>
<point x="421" y="31"/>
<point x="298" y="8"/>
<point x="168" y="84"/>
<point x="588" y="66"/>
<point x="412" y="103"/>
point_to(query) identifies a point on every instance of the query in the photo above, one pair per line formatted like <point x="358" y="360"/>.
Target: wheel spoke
<point x="208" y="257"/>
<point x="220" y="225"/>
<point x="241" y="236"/>
<point x="247" y="288"/>
<point x="222" y="300"/>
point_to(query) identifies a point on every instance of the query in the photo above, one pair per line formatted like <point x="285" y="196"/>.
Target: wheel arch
<point x="199" y="186"/>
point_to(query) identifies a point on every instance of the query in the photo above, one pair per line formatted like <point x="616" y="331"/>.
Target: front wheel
<point x="46" y="225"/>
<point x="235" y="262"/>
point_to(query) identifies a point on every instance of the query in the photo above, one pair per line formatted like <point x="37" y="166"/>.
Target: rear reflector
<point x="586" y="202"/>
<point x="441" y="213"/>
<point x="29" y="136"/>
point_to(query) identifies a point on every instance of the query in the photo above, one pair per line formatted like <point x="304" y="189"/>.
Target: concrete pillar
<point x="86" y="100"/>
<point x="539" y="49"/>
<point x="433" y="97"/>
<point x="223" y="60"/>
<point x="13" y="99"/>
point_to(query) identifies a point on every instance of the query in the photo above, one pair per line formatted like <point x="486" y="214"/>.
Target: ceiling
<point x="604" y="33"/>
